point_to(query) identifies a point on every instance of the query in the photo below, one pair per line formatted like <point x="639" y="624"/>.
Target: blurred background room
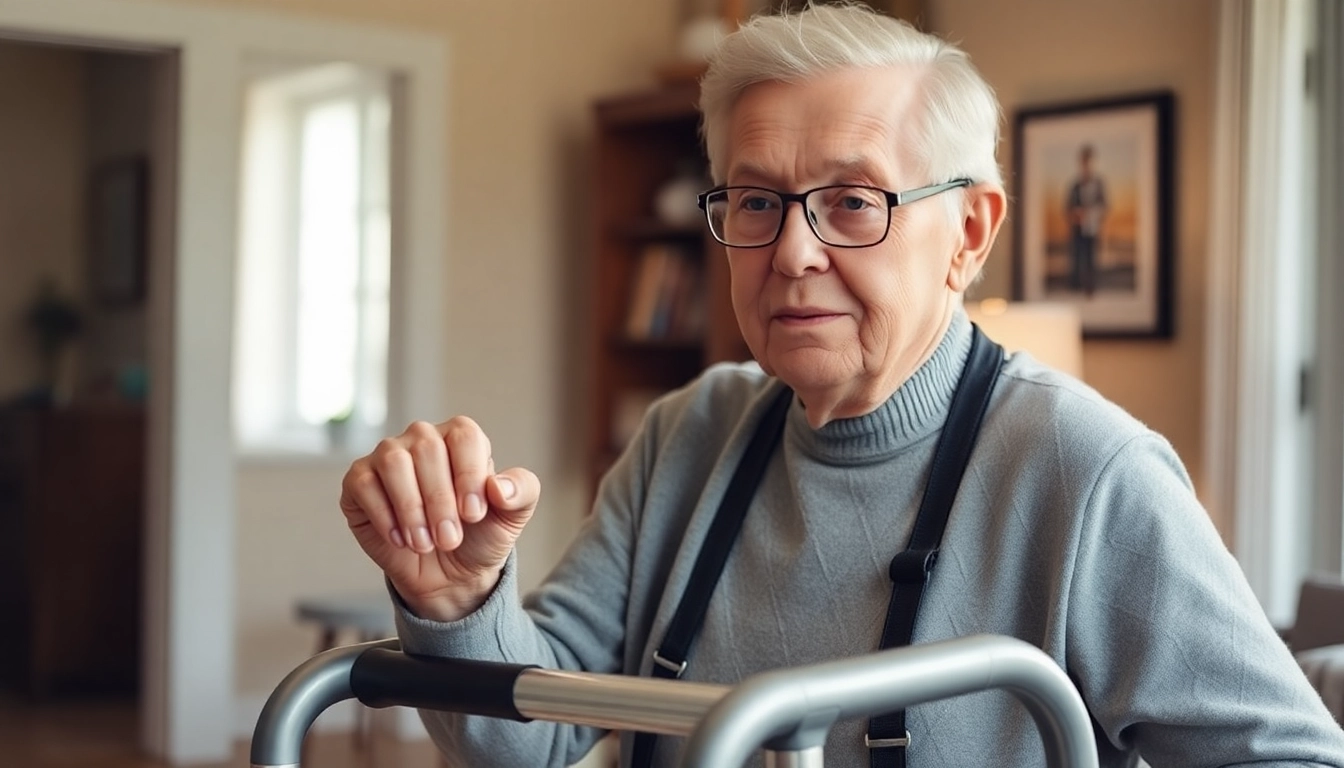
<point x="242" y="240"/>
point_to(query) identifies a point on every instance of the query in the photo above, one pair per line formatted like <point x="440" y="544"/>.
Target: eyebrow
<point x="847" y="168"/>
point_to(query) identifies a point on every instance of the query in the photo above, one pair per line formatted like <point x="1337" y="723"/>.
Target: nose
<point x="797" y="250"/>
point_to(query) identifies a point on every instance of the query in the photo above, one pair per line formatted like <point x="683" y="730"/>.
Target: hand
<point x="428" y="508"/>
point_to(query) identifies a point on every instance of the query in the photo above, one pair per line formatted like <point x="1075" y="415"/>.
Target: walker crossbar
<point x="787" y="711"/>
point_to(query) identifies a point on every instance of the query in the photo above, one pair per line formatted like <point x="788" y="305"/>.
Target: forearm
<point x="498" y="630"/>
<point x="450" y="604"/>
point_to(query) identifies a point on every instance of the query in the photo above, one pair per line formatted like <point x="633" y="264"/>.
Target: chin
<point x="808" y="370"/>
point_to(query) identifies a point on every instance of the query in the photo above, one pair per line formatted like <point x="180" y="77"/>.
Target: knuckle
<point x="386" y="446"/>
<point x="426" y="449"/>
<point x="360" y="476"/>
<point x="437" y="498"/>
<point x="390" y="459"/>
<point x="461" y="421"/>
<point x="421" y="430"/>
<point x="462" y="430"/>
<point x="409" y="510"/>
<point x="469" y="445"/>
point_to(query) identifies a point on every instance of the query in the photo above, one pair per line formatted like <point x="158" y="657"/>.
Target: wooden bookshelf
<point x="642" y="139"/>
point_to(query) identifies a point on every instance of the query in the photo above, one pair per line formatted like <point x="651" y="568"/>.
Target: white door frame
<point x="188" y="679"/>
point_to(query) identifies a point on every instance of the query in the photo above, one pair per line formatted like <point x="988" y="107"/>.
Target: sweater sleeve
<point x="1165" y="639"/>
<point x="574" y="621"/>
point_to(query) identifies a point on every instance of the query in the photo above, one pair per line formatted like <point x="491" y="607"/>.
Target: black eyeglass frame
<point x="894" y="199"/>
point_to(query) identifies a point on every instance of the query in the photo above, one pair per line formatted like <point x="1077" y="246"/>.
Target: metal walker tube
<point x="789" y="712"/>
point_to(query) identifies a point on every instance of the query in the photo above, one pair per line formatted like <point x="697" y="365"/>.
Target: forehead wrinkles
<point x="855" y="124"/>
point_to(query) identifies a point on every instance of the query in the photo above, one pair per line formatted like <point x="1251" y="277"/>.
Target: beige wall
<point x="42" y="161"/>
<point x="522" y="76"/>
<point x="1049" y="51"/>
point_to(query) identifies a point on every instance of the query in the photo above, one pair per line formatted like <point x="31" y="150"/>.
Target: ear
<point x="986" y="205"/>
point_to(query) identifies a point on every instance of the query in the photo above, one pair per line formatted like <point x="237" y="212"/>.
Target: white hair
<point x="959" y="130"/>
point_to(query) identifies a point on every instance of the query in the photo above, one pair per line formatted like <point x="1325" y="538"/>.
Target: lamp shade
<point x="1049" y="332"/>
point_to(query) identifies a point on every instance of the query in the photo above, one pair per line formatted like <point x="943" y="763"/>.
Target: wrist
<point x="451" y="603"/>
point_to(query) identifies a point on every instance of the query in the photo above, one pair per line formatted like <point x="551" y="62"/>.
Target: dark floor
<point x="103" y="734"/>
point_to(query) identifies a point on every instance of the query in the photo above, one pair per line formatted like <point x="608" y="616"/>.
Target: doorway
<point x="190" y="597"/>
<point x="85" y="134"/>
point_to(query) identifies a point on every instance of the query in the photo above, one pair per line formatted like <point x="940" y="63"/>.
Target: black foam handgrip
<point x="386" y="678"/>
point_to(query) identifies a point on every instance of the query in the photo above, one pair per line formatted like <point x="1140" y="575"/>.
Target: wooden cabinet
<point x="71" y="512"/>
<point x="643" y="140"/>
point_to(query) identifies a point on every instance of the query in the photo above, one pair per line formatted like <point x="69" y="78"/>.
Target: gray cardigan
<point x="1075" y="529"/>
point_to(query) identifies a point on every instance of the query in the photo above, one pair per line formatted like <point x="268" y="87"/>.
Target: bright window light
<point x="314" y="262"/>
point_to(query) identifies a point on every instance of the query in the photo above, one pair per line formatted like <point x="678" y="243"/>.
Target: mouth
<point x="804" y="315"/>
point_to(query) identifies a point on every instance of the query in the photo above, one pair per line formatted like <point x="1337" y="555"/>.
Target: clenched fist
<point x="429" y="509"/>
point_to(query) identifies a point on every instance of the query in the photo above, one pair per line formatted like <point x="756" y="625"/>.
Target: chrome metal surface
<point x="769" y="706"/>
<point x="304" y="694"/>
<point x="788" y="711"/>
<point x="618" y="702"/>
<point x="806" y="758"/>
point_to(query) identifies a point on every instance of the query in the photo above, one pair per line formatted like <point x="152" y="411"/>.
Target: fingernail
<point x="506" y="486"/>
<point x="397" y="539"/>
<point x="447" y="533"/>
<point x="421" y="538"/>
<point x="475" y="508"/>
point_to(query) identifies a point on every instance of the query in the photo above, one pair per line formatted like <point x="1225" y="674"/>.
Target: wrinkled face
<point x="845" y="327"/>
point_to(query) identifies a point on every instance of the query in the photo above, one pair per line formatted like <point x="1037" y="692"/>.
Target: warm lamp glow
<point x="1051" y="333"/>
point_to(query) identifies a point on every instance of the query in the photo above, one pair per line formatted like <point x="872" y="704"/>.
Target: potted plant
<point x="338" y="429"/>
<point x="55" y="321"/>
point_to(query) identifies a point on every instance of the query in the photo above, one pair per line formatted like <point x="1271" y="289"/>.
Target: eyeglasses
<point x="843" y="216"/>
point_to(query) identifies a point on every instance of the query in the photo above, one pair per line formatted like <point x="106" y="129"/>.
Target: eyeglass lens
<point x="746" y="217"/>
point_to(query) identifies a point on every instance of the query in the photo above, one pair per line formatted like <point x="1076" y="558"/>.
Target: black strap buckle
<point x="674" y="667"/>
<point x="912" y="566"/>
<point x="901" y="742"/>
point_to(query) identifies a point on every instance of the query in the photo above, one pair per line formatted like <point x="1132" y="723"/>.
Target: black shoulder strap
<point x="887" y="735"/>
<point x="909" y="568"/>
<point x="669" y="661"/>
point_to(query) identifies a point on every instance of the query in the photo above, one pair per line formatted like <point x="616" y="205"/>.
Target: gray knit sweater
<point x="1075" y="529"/>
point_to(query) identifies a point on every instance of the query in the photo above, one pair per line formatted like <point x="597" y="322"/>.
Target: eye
<point x="754" y="201"/>
<point x="853" y="203"/>
<point x="851" y="199"/>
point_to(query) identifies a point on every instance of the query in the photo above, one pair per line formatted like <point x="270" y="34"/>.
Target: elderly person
<point x="859" y="199"/>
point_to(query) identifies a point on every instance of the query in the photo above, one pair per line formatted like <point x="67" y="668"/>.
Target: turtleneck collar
<point x="916" y="410"/>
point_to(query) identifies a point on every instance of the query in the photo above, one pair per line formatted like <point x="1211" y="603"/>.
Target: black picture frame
<point x="1102" y="240"/>
<point x="118" y="230"/>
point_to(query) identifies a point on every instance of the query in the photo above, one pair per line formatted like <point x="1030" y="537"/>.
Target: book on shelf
<point x="666" y="295"/>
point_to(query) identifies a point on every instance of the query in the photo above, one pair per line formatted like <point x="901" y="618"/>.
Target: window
<point x="314" y="262"/>
<point x="1274" y="418"/>
<point x="1325" y="392"/>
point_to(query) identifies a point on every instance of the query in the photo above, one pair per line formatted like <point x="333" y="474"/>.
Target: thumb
<point x="513" y="494"/>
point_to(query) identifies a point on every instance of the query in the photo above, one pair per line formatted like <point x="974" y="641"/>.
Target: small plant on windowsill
<point x="338" y="430"/>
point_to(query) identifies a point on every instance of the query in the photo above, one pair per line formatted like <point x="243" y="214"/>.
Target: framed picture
<point x="117" y="231"/>
<point x="1093" y="183"/>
